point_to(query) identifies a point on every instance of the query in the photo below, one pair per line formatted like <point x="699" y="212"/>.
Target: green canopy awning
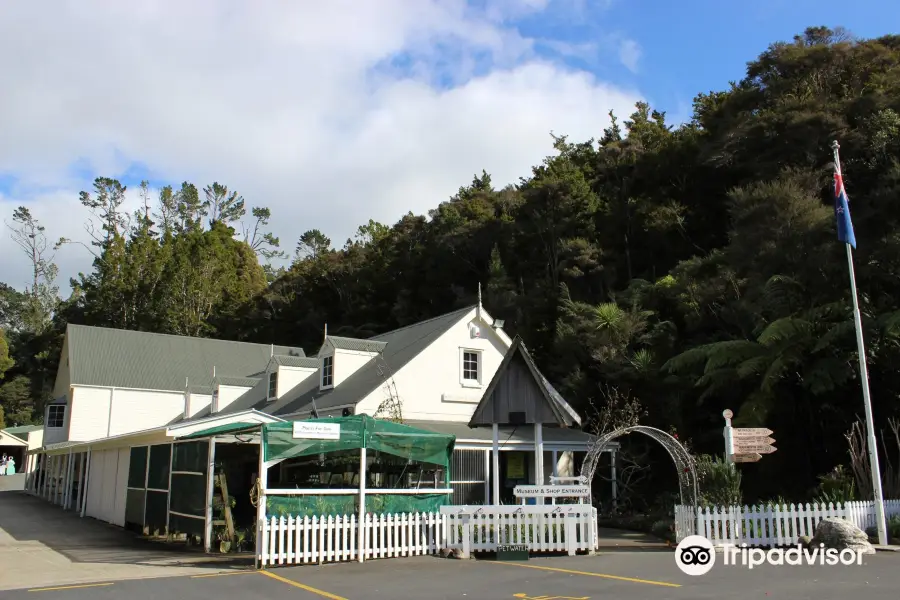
<point x="221" y="430"/>
<point x="360" y="431"/>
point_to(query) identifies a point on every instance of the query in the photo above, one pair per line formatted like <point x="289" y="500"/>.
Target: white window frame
<point x="471" y="383"/>
<point x="62" y="421"/>
<point x="330" y="366"/>
<point x="269" y="394"/>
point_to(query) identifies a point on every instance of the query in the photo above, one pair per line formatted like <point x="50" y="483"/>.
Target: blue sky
<point x="334" y="113"/>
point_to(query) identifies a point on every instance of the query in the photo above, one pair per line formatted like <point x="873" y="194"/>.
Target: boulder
<point x="451" y="553"/>
<point x="840" y="534"/>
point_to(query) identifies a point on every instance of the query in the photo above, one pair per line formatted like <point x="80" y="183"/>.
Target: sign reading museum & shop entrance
<point x="317" y="431"/>
<point x="552" y="491"/>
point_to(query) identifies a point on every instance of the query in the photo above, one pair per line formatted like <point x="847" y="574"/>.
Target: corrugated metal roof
<point x="138" y="359"/>
<point x="296" y="361"/>
<point x="238" y="381"/>
<point x="22" y="431"/>
<point x="344" y="343"/>
<point x="401" y="346"/>
<point x="522" y="434"/>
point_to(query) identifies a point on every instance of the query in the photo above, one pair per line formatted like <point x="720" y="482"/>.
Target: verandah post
<point x="361" y="544"/>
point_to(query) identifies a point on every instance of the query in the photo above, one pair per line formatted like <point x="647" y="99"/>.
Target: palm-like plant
<point x="804" y="348"/>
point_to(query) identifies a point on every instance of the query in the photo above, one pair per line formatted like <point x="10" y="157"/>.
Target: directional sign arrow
<point x="751" y="432"/>
<point x="760" y="441"/>
<point x="738" y="458"/>
<point x="760" y="448"/>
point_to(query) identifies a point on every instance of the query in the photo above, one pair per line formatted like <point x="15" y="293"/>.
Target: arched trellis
<point x="684" y="462"/>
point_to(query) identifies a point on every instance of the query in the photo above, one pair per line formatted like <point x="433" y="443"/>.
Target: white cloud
<point x="630" y="53"/>
<point x="294" y="105"/>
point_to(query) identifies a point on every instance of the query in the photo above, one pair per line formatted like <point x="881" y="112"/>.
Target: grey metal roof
<point x="238" y="381"/>
<point x="138" y="359"/>
<point x="565" y="415"/>
<point x="296" y="361"/>
<point x="522" y="433"/>
<point x="345" y="343"/>
<point x="22" y="431"/>
<point x="401" y="346"/>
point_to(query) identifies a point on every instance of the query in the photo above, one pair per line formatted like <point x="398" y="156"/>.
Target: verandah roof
<point x="222" y="430"/>
<point x="360" y="431"/>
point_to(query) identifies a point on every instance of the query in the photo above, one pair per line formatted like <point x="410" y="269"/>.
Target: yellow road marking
<point x="221" y="574"/>
<point x="550" y="597"/>
<point x="300" y="585"/>
<point x="69" y="587"/>
<point x="589" y="574"/>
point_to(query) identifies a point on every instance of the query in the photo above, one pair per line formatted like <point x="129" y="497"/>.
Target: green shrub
<point x="836" y="486"/>
<point x="719" y="482"/>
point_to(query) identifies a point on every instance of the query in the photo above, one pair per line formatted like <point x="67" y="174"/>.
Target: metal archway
<point x="684" y="462"/>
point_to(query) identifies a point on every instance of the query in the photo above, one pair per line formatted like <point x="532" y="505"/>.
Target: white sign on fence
<point x="552" y="491"/>
<point x="317" y="431"/>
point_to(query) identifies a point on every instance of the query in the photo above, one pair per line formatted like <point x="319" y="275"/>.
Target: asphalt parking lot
<point x="623" y="575"/>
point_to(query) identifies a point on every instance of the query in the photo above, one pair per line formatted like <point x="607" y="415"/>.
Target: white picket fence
<point x="303" y="540"/>
<point x="555" y="528"/>
<point x="771" y="525"/>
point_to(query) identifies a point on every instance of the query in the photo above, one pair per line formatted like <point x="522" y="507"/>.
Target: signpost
<point x="742" y="458"/>
<point x="747" y="444"/>
<point x="552" y="491"/>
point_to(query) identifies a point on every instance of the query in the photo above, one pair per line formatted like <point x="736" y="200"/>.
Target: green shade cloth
<point x="221" y="430"/>
<point x="313" y="506"/>
<point x="360" y="431"/>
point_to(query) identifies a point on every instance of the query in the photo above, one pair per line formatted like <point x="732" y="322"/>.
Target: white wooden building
<point x="121" y="390"/>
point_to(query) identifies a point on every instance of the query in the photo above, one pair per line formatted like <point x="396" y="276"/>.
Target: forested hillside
<point x="693" y="268"/>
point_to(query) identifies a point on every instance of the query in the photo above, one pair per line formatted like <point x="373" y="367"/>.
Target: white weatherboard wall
<point x="196" y="403"/>
<point x="227" y="395"/>
<point x="348" y="362"/>
<point x="291" y="377"/>
<point x="96" y="413"/>
<point x="429" y="385"/>
<point x="107" y="485"/>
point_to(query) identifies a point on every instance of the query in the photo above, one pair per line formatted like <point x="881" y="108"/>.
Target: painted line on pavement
<point x="589" y="574"/>
<point x="301" y="586"/>
<point x="69" y="587"/>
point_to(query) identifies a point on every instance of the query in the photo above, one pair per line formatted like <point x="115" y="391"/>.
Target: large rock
<point x="840" y="534"/>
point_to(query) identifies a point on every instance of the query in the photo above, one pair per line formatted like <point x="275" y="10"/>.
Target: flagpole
<point x="864" y="376"/>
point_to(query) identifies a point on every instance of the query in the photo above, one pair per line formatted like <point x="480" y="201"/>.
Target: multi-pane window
<point x="328" y="371"/>
<point x="470" y="366"/>
<point x="56" y="415"/>
<point x="273" y="385"/>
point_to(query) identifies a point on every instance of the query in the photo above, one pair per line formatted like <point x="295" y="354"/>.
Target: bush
<point x="719" y="482"/>
<point x="836" y="486"/>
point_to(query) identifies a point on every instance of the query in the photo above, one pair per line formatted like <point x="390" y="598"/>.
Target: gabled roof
<point x="400" y="347"/>
<point x="22" y="431"/>
<point x="491" y="406"/>
<point x="295" y="361"/>
<point x="137" y="359"/>
<point x="345" y="343"/>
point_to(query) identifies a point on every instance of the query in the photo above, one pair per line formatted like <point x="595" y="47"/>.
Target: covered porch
<point x="159" y="482"/>
<point x="563" y="450"/>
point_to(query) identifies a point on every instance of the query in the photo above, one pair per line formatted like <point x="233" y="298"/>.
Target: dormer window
<point x="273" y="385"/>
<point x="328" y="372"/>
<point x="470" y="367"/>
<point x="56" y="415"/>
